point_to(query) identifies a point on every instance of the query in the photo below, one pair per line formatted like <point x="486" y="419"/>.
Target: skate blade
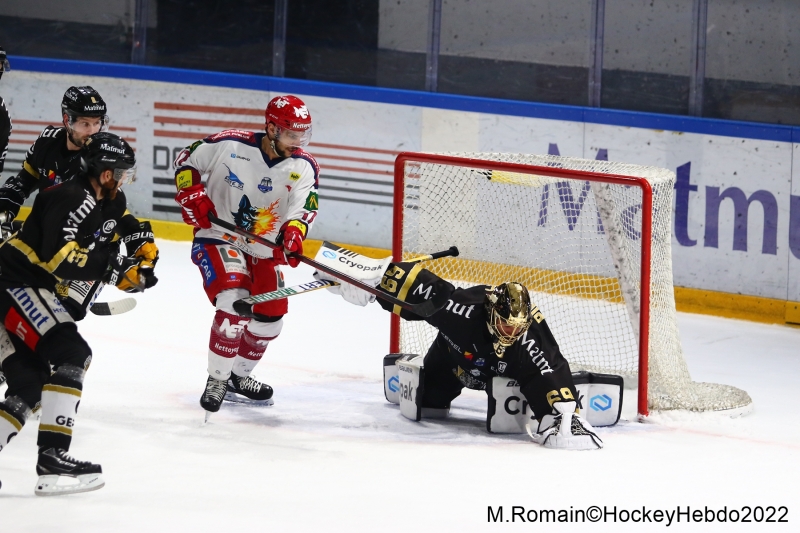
<point x="55" y="485"/>
<point x="236" y="398"/>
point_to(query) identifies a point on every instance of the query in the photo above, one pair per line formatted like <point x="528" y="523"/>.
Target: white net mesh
<point x="576" y="244"/>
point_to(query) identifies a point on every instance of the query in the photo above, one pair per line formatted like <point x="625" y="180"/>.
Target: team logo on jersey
<point x="258" y="220"/>
<point x="233" y="180"/>
<point x="312" y="202"/>
<point x="54" y="178"/>
<point x="501" y="367"/>
<point x="294" y="176"/>
<point x="265" y="185"/>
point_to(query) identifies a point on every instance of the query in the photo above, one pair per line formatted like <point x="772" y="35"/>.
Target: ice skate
<point x="248" y="390"/>
<point x="59" y="474"/>
<point x="212" y="396"/>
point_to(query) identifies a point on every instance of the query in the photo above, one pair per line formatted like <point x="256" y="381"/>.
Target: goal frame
<point x="646" y="230"/>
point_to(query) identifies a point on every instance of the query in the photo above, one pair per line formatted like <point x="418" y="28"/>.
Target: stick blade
<point x="113" y="308"/>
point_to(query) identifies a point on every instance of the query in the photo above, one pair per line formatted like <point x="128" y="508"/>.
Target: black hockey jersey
<point x="534" y="360"/>
<point x="69" y="234"/>
<point x="47" y="163"/>
<point x="5" y="132"/>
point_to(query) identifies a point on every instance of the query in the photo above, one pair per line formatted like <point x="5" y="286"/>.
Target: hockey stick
<point x="113" y="308"/>
<point x="424" y="309"/>
<point x="244" y="306"/>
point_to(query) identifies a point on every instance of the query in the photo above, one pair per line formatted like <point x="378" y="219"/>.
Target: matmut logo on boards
<point x="572" y="198"/>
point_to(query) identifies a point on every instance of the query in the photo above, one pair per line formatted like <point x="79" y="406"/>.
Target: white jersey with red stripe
<point x="248" y="189"/>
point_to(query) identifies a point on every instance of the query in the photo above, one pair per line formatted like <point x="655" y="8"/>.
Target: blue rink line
<point x="610" y="117"/>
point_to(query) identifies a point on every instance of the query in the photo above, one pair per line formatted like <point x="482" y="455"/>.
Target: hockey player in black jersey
<point x="487" y="331"/>
<point x="5" y="119"/>
<point x="55" y="157"/>
<point x="68" y="235"/>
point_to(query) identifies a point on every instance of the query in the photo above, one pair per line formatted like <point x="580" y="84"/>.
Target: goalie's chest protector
<point x="463" y="333"/>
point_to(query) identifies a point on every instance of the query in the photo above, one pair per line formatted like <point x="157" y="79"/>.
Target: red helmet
<point x="290" y="113"/>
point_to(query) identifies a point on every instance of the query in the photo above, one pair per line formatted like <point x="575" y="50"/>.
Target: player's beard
<point x="281" y="153"/>
<point x="111" y="192"/>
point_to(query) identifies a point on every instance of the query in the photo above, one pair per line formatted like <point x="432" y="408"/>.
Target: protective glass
<point x="124" y="176"/>
<point x="294" y="138"/>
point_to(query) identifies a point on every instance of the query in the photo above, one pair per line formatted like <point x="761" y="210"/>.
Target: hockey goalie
<point x="483" y="332"/>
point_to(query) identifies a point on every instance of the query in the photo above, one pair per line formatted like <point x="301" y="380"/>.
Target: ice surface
<point x="333" y="455"/>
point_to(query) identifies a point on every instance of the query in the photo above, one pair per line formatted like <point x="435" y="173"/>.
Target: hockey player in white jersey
<point x="264" y="183"/>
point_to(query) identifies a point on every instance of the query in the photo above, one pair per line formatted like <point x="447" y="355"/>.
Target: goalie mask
<point x="508" y="310"/>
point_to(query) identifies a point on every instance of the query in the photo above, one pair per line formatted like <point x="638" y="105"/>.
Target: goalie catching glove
<point x="130" y="274"/>
<point x="364" y="269"/>
<point x="565" y="429"/>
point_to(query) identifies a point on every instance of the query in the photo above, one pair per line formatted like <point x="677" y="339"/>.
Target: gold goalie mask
<point x="508" y="307"/>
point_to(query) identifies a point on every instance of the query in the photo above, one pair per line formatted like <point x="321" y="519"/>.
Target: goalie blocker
<point x="599" y="396"/>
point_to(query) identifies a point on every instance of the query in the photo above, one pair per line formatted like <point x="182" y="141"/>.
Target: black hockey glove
<point x="7" y="225"/>
<point x="129" y="274"/>
<point x="141" y="244"/>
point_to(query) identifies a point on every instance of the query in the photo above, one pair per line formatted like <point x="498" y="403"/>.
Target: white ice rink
<point x="333" y="455"/>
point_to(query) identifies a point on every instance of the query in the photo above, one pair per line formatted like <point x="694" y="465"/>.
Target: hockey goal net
<point x="585" y="236"/>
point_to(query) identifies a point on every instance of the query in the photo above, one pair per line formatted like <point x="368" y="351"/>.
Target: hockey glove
<point x="142" y="244"/>
<point x="195" y="206"/>
<point x="291" y="237"/>
<point x="7" y="226"/>
<point x="130" y="274"/>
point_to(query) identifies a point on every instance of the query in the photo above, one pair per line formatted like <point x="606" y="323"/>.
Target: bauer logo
<point x="601" y="402"/>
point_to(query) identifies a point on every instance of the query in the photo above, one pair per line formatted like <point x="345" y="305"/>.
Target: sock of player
<point x="223" y="346"/>
<point x="13" y="414"/>
<point x="61" y="396"/>
<point x="257" y="336"/>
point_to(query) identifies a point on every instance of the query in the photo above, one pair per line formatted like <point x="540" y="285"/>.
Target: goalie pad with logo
<point x="403" y="384"/>
<point x="599" y="401"/>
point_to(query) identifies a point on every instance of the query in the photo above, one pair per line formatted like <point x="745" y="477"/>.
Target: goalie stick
<point x="424" y="310"/>
<point x="244" y="306"/>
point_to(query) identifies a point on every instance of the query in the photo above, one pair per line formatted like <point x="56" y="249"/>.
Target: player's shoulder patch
<point x="302" y="154"/>
<point x="242" y="136"/>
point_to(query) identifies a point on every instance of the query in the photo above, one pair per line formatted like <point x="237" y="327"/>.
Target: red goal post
<point x="593" y="267"/>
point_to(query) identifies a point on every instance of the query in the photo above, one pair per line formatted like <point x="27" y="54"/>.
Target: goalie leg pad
<point x="411" y="374"/>
<point x="391" y="381"/>
<point x="599" y="397"/>
<point x="599" y="402"/>
<point x="508" y="410"/>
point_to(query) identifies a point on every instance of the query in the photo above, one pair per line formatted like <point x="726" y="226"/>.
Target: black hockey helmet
<point x="508" y="310"/>
<point x="84" y="102"/>
<point x="5" y="66"/>
<point x="106" y="151"/>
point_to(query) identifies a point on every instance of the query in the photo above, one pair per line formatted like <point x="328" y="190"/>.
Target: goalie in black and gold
<point x="487" y="331"/>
